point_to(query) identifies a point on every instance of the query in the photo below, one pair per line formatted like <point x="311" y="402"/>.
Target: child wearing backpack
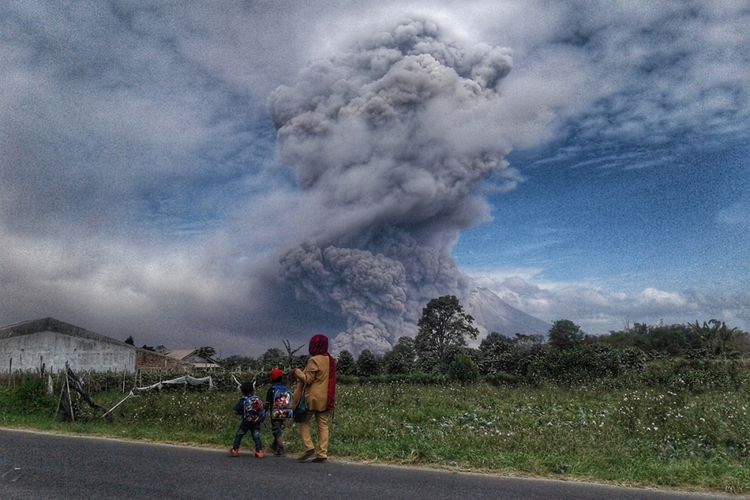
<point x="250" y="407"/>
<point x="279" y="399"/>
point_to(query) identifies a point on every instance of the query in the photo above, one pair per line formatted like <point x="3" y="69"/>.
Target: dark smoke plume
<point x="398" y="134"/>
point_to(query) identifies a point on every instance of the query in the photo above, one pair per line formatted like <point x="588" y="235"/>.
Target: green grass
<point x="644" y="437"/>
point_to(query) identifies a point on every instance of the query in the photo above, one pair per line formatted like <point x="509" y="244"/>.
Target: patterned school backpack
<point x="281" y="406"/>
<point x="253" y="411"/>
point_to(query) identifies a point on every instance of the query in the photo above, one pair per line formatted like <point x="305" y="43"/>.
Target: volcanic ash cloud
<point x="392" y="139"/>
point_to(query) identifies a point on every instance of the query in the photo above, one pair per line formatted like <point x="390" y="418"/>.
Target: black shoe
<point x="307" y="456"/>
<point x="279" y="451"/>
<point x="318" y="460"/>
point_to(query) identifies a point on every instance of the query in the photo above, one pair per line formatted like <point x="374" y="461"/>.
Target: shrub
<point x="346" y="379"/>
<point x="29" y="396"/>
<point x="503" y="378"/>
<point x="425" y="378"/>
<point x="632" y="359"/>
<point x="577" y="364"/>
<point x="463" y="370"/>
<point x="694" y="375"/>
<point x="407" y="378"/>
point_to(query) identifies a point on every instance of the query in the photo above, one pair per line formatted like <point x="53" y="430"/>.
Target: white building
<point x="48" y="342"/>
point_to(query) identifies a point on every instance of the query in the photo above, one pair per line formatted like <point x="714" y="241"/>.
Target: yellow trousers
<point x="321" y="419"/>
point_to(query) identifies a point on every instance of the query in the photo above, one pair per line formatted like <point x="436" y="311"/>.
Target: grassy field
<point x="636" y="437"/>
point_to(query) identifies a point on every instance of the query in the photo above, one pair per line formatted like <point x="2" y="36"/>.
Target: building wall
<point x="54" y="349"/>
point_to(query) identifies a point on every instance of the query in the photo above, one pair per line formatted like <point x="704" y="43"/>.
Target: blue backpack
<point x="281" y="405"/>
<point x="253" y="411"/>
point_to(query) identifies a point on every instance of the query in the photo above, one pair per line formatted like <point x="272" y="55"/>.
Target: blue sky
<point x="157" y="166"/>
<point x="585" y="218"/>
<point x="607" y="222"/>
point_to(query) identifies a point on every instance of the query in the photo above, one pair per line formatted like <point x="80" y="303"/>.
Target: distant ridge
<point x="492" y="314"/>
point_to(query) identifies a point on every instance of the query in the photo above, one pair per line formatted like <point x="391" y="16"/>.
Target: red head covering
<point x="275" y="374"/>
<point x="319" y="347"/>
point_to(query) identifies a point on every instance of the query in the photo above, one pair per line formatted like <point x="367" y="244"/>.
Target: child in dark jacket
<point x="277" y="424"/>
<point x="250" y="420"/>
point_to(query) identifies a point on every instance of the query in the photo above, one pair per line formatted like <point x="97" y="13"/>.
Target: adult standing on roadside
<point x="319" y="382"/>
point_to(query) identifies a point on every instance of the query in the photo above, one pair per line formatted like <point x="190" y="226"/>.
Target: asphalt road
<point x="46" y="466"/>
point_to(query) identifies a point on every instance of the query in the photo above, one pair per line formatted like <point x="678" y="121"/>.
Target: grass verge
<point x="642" y="437"/>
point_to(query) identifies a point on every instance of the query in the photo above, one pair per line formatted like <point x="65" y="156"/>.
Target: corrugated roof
<point x="180" y="353"/>
<point x="183" y="354"/>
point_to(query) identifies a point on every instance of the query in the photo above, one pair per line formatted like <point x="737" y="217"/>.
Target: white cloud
<point x="599" y="309"/>
<point x="660" y="298"/>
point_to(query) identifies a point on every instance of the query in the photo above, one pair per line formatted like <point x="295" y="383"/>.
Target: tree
<point x="715" y="335"/>
<point x="495" y="352"/>
<point x="367" y="364"/>
<point x="565" y="334"/>
<point x="273" y="357"/>
<point x="240" y="362"/>
<point x="290" y="353"/>
<point x="674" y="340"/>
<point x="443" y="329"/>
<point x="527" y="341"/>
<point x="130" y="340"/>
<point x="345" y="365"/>
<point x="401" y="358"/>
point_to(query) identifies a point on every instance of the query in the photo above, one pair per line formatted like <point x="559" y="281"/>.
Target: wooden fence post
<point x="59" y="400"/>
<point x="67" y="389"/>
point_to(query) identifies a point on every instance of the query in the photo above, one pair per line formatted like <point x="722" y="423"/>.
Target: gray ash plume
<point x="392" y="140"/>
